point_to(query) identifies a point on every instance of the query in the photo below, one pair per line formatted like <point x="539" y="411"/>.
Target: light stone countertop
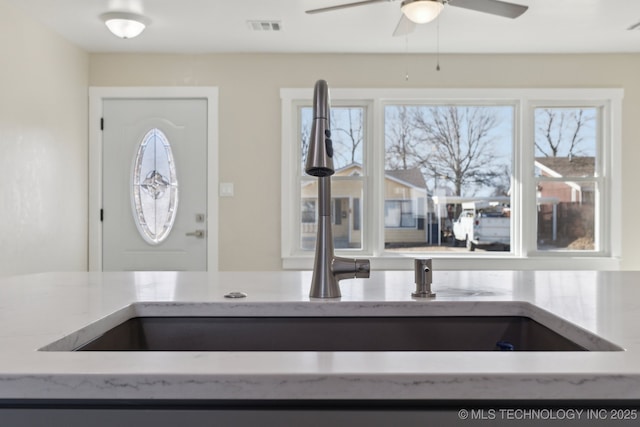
<point x="38" y="311"/>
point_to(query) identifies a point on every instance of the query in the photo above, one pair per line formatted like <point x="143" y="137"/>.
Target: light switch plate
<point x="226" y="189"/>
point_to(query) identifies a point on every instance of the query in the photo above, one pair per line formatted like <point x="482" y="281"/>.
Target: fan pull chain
<point x="406" y="53"/>
<point x="438" y="44"/>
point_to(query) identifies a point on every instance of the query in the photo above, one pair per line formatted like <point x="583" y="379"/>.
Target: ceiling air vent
<point x="265" y="25"/>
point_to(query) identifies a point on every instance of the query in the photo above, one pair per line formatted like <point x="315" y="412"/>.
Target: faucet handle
<point x="349" y="268"/>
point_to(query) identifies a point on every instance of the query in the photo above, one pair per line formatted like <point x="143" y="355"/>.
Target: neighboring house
<point x="404" y="210"/>
<point x="566" y="208"/>
<point x="565" y="167"/>
<point x="405" y="206"/>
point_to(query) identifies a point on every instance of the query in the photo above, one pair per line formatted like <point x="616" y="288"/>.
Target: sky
<point x="347" y="125"/>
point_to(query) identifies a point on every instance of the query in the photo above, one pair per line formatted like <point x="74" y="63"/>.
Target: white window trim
<point x="524" y="99"/>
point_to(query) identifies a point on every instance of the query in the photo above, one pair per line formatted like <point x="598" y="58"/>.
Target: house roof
<point x="412" y="177"/>
<point x="568" y="166"/>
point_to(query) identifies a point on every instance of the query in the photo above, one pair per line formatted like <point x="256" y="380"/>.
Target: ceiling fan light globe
<point x="124" y="25"/>
<point x="421" y="11"/>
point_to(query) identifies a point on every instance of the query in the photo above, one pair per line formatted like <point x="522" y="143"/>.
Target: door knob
<point x="198" y="233"/>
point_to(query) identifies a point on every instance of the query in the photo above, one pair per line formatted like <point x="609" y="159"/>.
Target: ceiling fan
<point x="423" y="11"/>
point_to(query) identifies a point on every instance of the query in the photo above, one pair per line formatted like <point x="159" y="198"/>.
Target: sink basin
<point x="342" y="326"/>
<point x="458" y="333"/>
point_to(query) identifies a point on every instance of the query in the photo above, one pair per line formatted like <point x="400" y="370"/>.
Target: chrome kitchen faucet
<point x="328" y="269"/>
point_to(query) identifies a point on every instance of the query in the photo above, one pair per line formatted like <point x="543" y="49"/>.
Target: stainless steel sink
<point x="341" y="326"/>
<point x="458" y="333"/>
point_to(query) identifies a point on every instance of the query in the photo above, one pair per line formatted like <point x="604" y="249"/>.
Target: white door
<point x="154" y="184"/>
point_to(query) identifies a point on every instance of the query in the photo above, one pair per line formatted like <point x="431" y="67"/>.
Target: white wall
<point x="43" y="148"/>
<point x="249" y="135"/>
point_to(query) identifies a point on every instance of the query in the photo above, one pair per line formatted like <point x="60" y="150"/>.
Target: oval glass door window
<point x="154" y="189"/>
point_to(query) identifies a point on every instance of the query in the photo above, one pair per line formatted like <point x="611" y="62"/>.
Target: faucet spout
<point x="328" y="269"/>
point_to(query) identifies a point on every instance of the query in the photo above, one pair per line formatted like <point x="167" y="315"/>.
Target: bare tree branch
<point x="348" y="133"/>
<point x="460" y="144"/>
<point x="560" y="132"/>
<point x="401" y="138"/>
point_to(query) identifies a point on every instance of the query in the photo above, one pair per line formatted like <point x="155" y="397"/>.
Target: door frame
<point x="97" y="95"/>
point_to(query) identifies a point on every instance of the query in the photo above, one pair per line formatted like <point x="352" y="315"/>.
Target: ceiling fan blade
<point x="344" y="6"/>
<point x="634" y="26"/>
<point x="494" y="7"/>
<point x="405" y="26"/>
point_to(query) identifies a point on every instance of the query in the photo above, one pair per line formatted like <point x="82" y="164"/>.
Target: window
<point x="308" y="211"/>
<point x="399" y="214"/>
<point x="154" y="188"/>
<point x="348" y="134"/>
<point x="447" y="155"/>
<point x="567" y="178"/>
<point x="537" y="167"/>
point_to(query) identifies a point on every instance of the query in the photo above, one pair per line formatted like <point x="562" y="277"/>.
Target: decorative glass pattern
<point x="154" y="187"/>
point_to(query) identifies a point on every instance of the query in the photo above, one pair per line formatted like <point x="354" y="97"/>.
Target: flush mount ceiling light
<point x="125" y="25"/>
<point x="421" y="11"/>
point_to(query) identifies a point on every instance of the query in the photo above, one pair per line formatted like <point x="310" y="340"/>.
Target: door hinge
<point x="101" y="123"/>
<point x="101" y="215"/>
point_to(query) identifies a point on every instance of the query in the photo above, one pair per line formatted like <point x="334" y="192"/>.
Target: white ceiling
<point x="204" y="26"/>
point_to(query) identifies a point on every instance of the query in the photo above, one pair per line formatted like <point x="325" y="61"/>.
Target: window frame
<point x="524" y="253"/>
<point x="601" y="180"/>
<point x="293" y="176"/>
